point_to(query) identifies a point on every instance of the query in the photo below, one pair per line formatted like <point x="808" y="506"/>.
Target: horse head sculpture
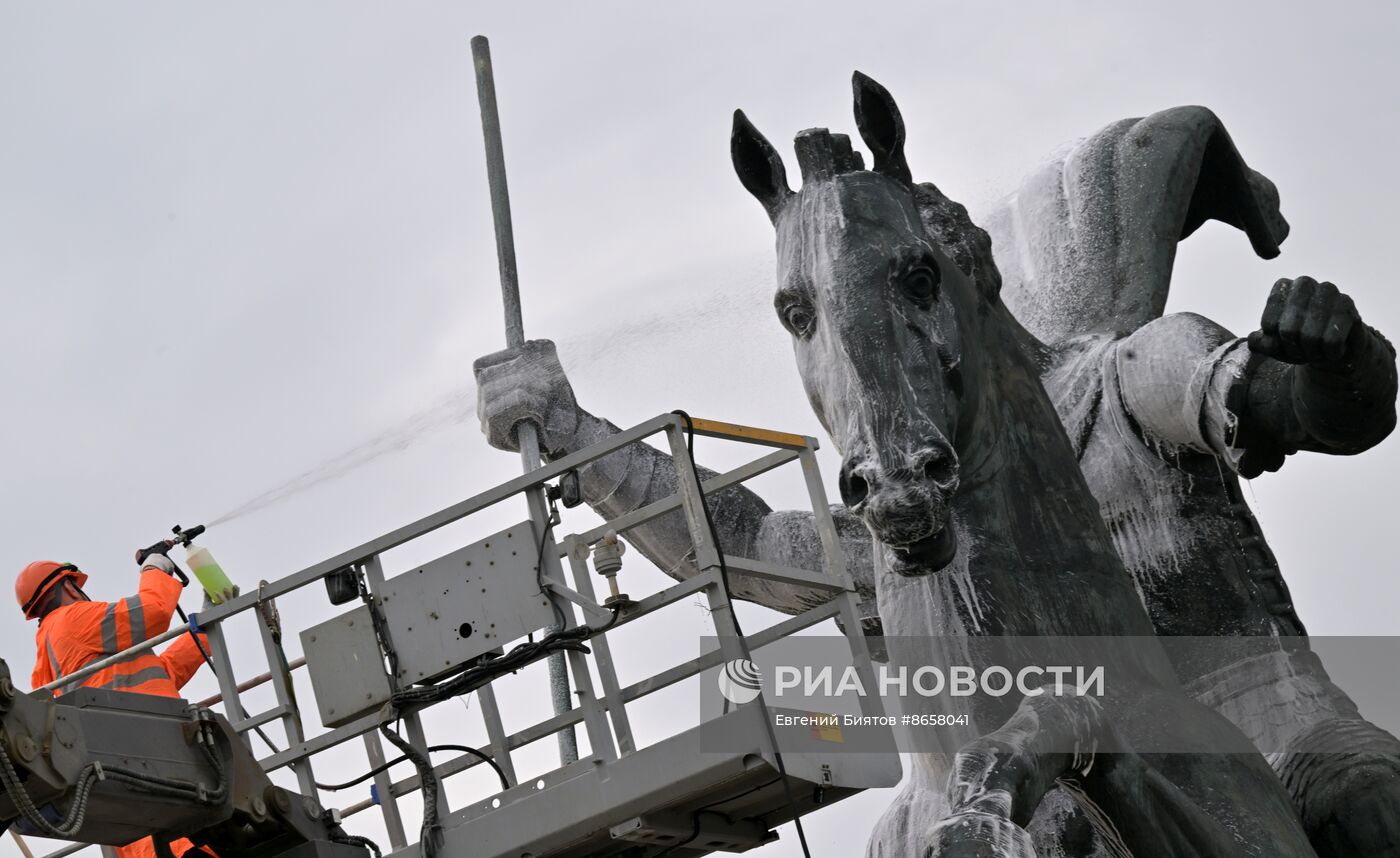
<point x="891" y="276"/>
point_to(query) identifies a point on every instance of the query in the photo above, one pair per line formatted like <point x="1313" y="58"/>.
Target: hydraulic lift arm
<point x="111" y="767"/>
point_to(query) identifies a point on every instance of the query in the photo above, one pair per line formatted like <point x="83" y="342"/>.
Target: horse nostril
<point x="854" y="488"/>
<point x="940" y="464"/>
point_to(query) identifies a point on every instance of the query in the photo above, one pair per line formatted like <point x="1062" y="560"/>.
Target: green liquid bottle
<point x="211" y="576"/>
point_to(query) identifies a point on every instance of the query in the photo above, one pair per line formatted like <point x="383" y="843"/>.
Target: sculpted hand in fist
<point x="1307" y="322"/>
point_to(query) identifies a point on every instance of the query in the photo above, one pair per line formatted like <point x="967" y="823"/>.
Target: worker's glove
<point x="158" y="561"/>
<point x="227" y="595"/>
<point x="526" y="384"/>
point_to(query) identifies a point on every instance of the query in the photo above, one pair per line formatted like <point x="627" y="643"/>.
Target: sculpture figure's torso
<point x="1197" y="555"/>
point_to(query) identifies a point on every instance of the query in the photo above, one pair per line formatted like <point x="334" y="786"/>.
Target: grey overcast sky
<point x="243" y="243"/>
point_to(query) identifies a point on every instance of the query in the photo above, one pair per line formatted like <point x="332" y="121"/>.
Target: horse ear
<point x="758" y="164"/>
<point x="881" y="127"/>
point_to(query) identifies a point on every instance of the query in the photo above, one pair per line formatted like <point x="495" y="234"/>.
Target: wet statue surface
<point x="954" y="417"/>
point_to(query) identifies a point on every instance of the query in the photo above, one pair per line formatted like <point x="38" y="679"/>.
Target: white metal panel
<point x="447" y="612"/>
<point x="346" y="667"/>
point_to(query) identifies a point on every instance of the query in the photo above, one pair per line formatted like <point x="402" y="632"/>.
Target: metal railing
<point x="602" y="712"/>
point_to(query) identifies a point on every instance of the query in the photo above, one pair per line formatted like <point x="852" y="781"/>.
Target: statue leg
<point x="999" y="780"/>
<point x="1344" y="778"/>
<point x="1060" y="828"/>
<point x="921" y="803"/>
<point x="1146" y="805"/>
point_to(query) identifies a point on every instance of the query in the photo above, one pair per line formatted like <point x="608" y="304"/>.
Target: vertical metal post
<point x="600" y="737"/>
<point x="834" y="556"/>
<point x="291" y="718"/>
<point x="223" y="673"/>
<point x="525" y="433"/>
<point x="706" y="552"/>
<point x="602" y="652"/>
<point x="496" y="731"/>
<point x="384" y="786"/>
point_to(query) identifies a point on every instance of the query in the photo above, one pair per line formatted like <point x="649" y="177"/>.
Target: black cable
<point x="539" y="570"/>
<point x="210" y="661"/>
<point x="469" y="680"/>
<point x="430" y="834"/>
<point x="381" y="629"/>
<point x="749" y="791"/>
<point x="336" y="834"/>
<point x="484" y="757"/>
<point x="77" y="809"/>
<point x="743" y="643"/>
<point x="519" y="656"/>
<point x="463" y="683"/>
<point x="357" y="840"/>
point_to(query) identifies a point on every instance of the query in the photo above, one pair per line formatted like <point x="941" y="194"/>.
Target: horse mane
<point x="966" y="243"/>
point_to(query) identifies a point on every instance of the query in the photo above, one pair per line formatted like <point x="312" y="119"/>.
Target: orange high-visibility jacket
<point x="76" y="635"/>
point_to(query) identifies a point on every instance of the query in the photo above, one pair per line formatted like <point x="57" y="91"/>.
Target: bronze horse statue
<point x="930" y="390"/>
<point x="956" y="461"/>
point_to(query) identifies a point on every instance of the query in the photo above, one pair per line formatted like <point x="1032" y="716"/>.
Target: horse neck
<point x="1041" y="553"/>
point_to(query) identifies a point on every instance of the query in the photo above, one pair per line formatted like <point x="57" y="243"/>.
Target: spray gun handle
<point x="162" y="548"/>
<point x="159" y="548"/>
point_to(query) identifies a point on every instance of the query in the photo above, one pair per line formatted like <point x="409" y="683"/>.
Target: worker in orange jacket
<point x="75" y="631"/>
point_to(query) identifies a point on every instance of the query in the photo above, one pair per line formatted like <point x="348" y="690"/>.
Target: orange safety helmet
<point x="40" y="577"/>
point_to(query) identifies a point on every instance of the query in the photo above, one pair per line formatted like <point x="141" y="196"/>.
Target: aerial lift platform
<point x="445" y="629"/>
<point x="448" y="627"/>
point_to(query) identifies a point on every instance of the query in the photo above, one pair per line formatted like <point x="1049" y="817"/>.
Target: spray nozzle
<point x="182" y="537"/>
<point x="185" y="537"/>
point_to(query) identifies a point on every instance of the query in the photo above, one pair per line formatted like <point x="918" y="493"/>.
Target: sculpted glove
<point x="526" y="384"/>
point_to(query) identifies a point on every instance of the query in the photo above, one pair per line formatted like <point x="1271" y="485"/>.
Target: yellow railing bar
<point x="717" y="429"/>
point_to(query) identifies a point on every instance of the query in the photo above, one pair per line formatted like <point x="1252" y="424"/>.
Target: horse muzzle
<point x="907" y="509"/>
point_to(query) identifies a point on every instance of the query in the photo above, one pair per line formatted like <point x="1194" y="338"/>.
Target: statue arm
<point x="1314" y="377"/>
<point x="529" y="383"/>
<point x="746" y="526"/>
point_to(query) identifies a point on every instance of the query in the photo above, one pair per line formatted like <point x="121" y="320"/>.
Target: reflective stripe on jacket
<point x="76" y="635"/>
